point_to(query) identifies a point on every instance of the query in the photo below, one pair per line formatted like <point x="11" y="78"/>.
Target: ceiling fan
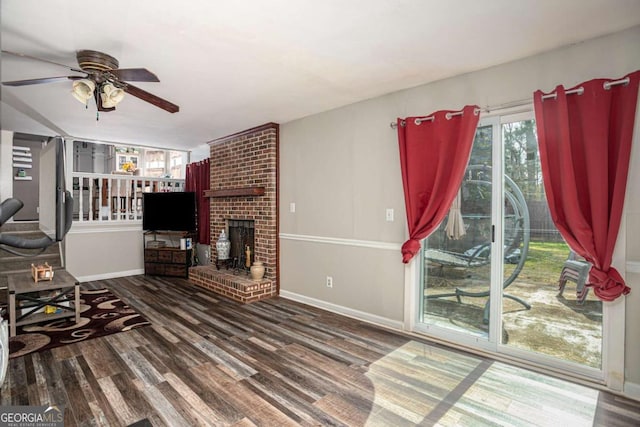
<point x="102" y="80"/>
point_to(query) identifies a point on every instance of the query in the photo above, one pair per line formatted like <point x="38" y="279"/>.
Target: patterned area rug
<point x="101" y="313"/>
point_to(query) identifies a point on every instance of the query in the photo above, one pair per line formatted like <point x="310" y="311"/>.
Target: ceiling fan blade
<point x="23" y="55"/>
<point x="135" y="75"/>
<point x="152" y="99"/>
<point x="42" y="80"/>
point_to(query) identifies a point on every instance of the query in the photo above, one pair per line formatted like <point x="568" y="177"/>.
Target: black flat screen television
<point x="174" y="211"/>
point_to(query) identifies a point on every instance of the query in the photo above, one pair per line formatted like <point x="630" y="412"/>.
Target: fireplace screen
<point x="241" y="235"/>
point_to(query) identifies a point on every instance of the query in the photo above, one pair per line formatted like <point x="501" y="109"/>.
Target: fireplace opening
<point x="241" y="236"/>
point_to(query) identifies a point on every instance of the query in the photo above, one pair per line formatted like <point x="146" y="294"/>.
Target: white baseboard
<point x="345" y="311"/>
<point x="632" y="390"/>
<point x="113" y="275"/>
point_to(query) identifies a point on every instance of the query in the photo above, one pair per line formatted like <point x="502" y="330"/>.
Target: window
<point x="162" y="163"/>
<point x="95" y="157"/>
<point x="154" y="163"/>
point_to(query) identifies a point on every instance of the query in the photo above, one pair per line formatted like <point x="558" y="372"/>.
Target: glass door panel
<point x="537" y="316"/>
<point x="457" y="256"/>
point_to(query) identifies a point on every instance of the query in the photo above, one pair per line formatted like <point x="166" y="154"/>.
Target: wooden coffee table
<point x="62" y="289"/>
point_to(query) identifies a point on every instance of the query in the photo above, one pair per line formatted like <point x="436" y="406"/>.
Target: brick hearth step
<point x="238" y="287"/>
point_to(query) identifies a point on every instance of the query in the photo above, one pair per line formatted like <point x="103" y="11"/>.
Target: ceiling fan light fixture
<point x="111" y="95"/>
<point x="83" y="90"/>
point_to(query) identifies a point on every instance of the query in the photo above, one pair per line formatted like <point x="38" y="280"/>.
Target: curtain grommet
<point x="624" y="82"/>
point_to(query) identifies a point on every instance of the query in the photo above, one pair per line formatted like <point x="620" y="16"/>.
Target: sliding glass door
<point x="496" y="274"/>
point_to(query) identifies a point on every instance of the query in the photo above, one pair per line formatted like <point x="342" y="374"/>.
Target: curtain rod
<point x="519" y="103"/>
<point x="554" y="95"/>
<point x="448" y="116"/>
<point x="419" y="120"/>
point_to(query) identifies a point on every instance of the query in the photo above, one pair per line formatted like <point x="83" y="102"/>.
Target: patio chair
<point x="577" y="271"/>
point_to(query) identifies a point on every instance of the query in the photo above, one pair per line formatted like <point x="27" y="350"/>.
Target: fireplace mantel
<point x="235" y="192"/>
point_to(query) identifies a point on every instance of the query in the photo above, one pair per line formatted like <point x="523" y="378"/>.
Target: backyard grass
<point x="544" y="262"/>
<point x="543" y="266"/>
<point x="558" y="326"/>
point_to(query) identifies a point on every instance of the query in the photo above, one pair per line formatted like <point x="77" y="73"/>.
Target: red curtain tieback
<point x="410" y="248"/>
<point x="607" y="285"/>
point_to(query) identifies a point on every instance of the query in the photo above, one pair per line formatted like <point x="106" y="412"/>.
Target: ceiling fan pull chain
<point x="97" y="116"/>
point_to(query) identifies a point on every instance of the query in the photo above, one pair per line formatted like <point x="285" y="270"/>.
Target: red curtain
<point x="433" y="157"/>
<point x="585" y="146"/>
<point x="197" y="180"/>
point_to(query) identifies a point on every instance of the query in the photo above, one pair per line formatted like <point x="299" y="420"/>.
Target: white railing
<point x="114" y="197"/>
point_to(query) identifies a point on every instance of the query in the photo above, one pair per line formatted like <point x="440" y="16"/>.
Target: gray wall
<point x="199" y="153"/>
<point x="341" y="169"/>
<point x="27" y="191"/>
<point x="101" y="252"/>
<point x="6" y="171"/>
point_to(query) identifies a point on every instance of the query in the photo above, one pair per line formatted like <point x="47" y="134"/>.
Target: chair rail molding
<point x="633" y="266"/>
<point x="344" y="242"/>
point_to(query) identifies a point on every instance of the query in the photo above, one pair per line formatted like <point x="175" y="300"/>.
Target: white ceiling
<point x="233" y="65"/>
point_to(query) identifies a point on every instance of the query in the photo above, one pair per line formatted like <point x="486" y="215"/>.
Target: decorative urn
<point x="257" y="270"/>
<point x="223" y="246"/>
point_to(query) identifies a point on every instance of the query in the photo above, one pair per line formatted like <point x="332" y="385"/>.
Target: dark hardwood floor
<point x="210" y="361"/>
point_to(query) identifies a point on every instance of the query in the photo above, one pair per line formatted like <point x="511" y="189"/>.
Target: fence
<point x="541" y="224"/>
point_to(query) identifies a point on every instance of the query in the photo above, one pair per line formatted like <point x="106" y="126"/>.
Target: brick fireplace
<point x="244" y="183"/>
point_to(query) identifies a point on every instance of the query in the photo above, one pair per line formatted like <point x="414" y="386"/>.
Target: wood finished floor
<point x="210" y="361"/>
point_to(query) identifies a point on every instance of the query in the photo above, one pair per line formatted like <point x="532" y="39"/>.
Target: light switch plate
<point x="390" y="215"/>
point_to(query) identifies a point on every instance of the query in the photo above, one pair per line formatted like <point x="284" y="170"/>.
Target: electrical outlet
<point x="329" y="282"/>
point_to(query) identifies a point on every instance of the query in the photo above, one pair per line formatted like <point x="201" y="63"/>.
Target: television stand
<point x="166" y="259"/>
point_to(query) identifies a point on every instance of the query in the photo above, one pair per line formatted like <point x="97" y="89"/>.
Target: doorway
<point x="490" y="273"/>
<point x="26" y="166"/>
